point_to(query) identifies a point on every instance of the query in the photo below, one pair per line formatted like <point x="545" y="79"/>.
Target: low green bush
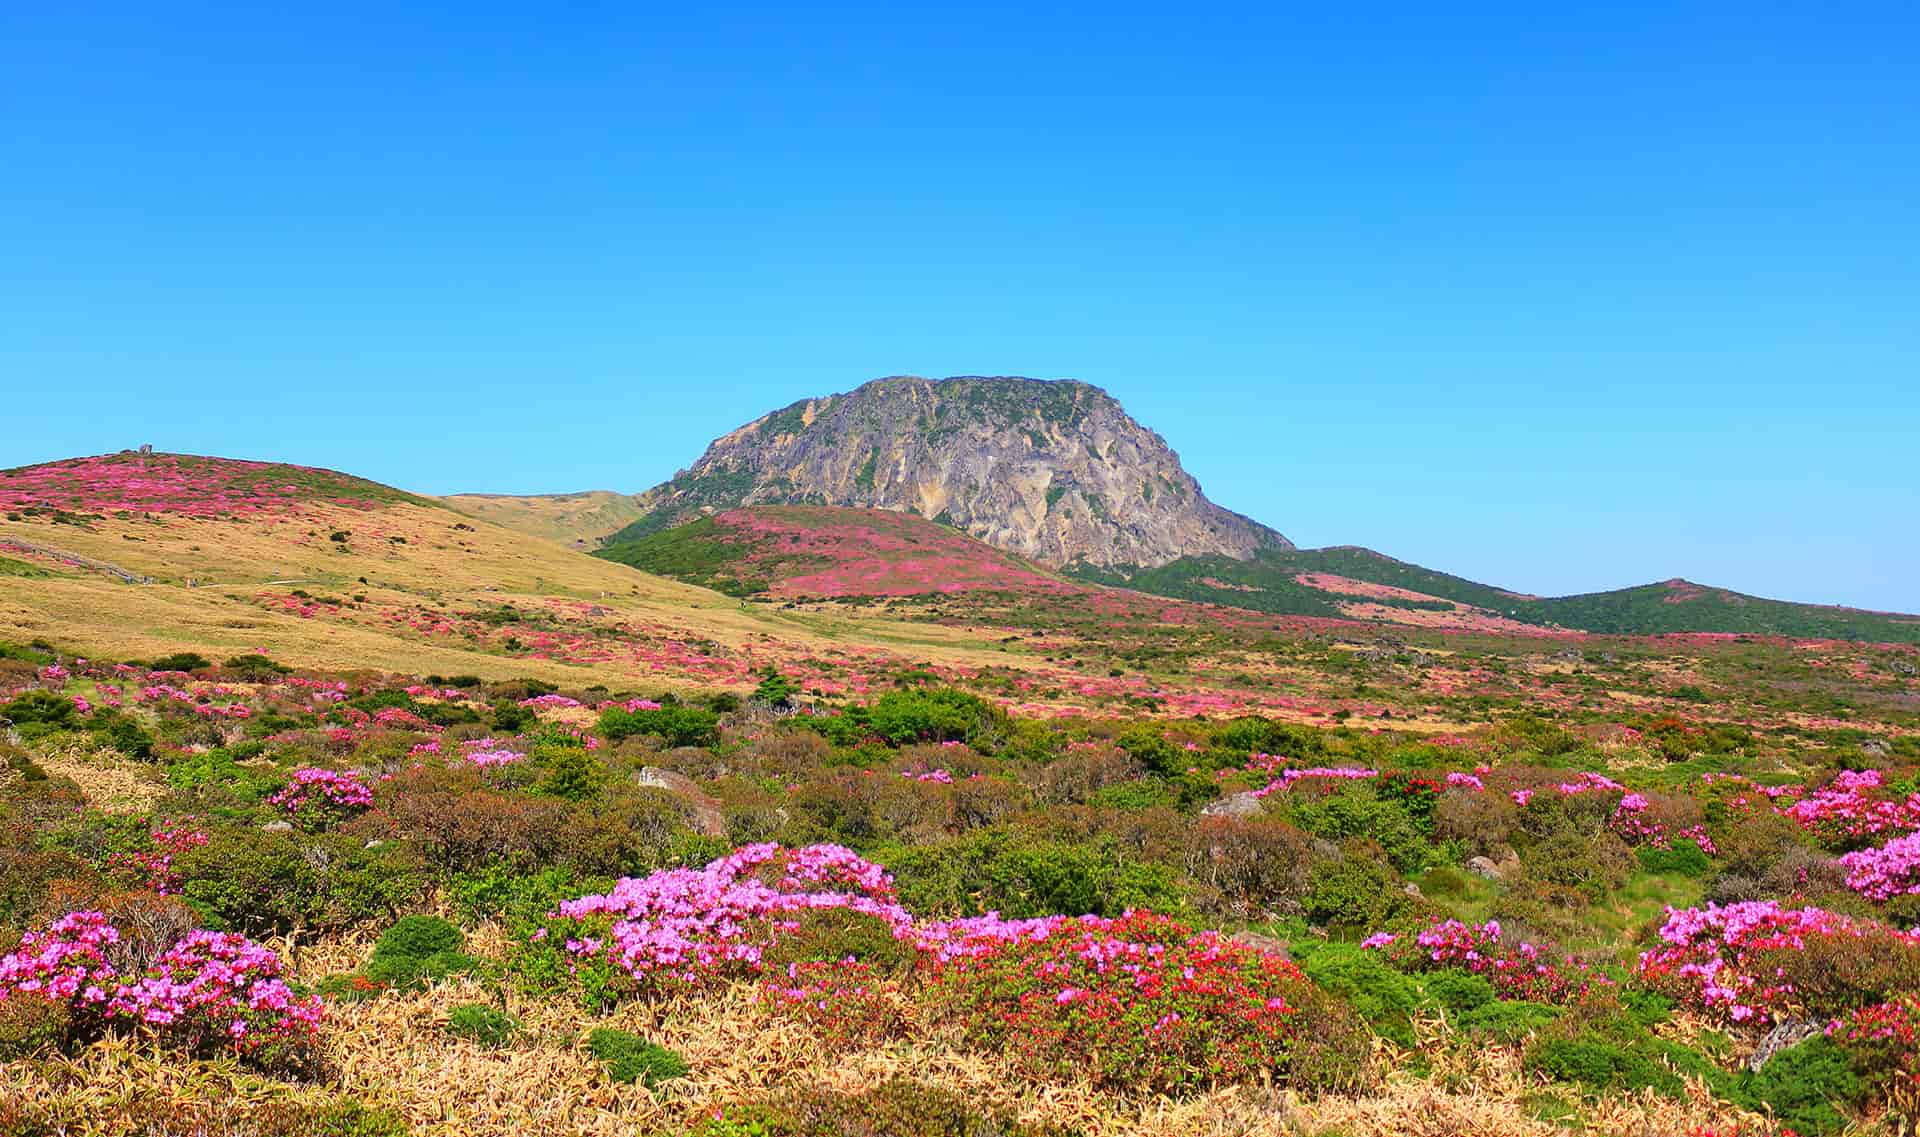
<point x="676" y="725"/>
<point x="1506" y="1021"/>
<point x="1385" y="998"/>
<point x="416" y="952"/>
<point x="1805" y="1087"/>
<point x="1684" y="858"/>
<point x="831" y="935"/>
<point x="478" y="1022"/>
<point x="630" y="1058"/>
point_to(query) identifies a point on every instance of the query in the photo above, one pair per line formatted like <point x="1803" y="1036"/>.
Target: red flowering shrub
<point x="1883" y="1043"/>
<point x="1137" y="1002"/>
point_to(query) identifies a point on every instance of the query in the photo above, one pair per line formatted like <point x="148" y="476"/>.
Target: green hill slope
<point x="1294" y="582"/>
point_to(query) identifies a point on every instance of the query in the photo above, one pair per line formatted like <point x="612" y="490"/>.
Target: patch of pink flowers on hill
<point x="176" y="484"/>
<point x="849" y="552"/>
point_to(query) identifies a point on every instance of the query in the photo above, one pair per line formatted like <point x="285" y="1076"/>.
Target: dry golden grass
<point x="577" y="520"/>
<point x="394" y="1052"/>
<point x="209" y="572"/>
<point x="111" y="784"/>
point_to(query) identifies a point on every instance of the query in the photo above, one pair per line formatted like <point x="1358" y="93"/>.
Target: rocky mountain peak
<point x="1053" y="470"/>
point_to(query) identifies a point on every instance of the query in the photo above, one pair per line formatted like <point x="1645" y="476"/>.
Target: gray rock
<point x="1056" y="472"/>
<point x="1485" y="868"/>
<point x="704" y="807"/>
<point x="1786" y="1036"/>
<point x="1242" y="804"/>
<point x="277" y="827"/>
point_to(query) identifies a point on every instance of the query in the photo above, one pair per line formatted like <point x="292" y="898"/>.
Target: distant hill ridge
<point x="1054" y="471"/>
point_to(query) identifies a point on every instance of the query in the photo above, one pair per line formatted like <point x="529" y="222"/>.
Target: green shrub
<point x="936" y="715"/>
<point x="1354" y="811"/>
<point x="630" y="1058"/>
<point x="1805" y="1086"/>
<point x="572" y="773"/>
<point x="1385" y="998"/>
<point x="500" y="890"/>
<point x="43" y="709"/>
<point x="1683" y="859"/>
<point x="1458" y="991"/>
<point x="416" y="937"/>
<point x="676" y="725"/>
<point x="182" y="661"/>
<point x="1507" y="1021"/>
<point x="1589" y="865"/>
<point x="1020" y="876"/>
<point x="1357" y="891"/>
<point x="254" y="666"/>
<point x="247" y="881"/>
<point x="835" y="934"/>
<point x="1135" y="796"/>
<point x="1149" y="746"/>
<point x="30" y="1026"/>
<point x="122" y="732"/>
<point x="478" y="1022"/>
<point x="415" y="952"/>
<point x="776" y="690"/>
<point x="1612" y="1052"/>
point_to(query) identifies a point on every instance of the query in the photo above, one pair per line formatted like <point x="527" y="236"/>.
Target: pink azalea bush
<point x="1891" y="870"/>
<point x="208" y="991"/>
<point x="692" y="925"/>
<point x="1757" y="961"/>
<point x="1882" y="1042"/>
<point x="152" y="868"/>
<point x="318" y="795"/>
<point x="1517" y="969"/>
<point x="1855" y="808"/>
<point x="1137" y="1000"/>
<point x="1141" y="1000"/>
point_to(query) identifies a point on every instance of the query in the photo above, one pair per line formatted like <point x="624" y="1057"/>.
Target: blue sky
<point x="1560" y="300"/>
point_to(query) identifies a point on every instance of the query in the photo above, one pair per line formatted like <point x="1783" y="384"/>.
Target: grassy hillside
<point x="220" y="556"/>
<point x="1682" y="606"/>
<point x="578" y="520"/>
<point x="805" y="550"/>
<point x="1332" y="582"/>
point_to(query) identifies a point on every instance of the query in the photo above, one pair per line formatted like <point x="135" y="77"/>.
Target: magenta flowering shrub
<point x="691" y="925"/>
<point x="1891" y="870"/>
<point x="488" y="759"/>
<point x="1637" y="821"/>
<point x="152" y="868"/>
<point x="1883" y="1044"/>
<point x="1758" y="962"/>
<point x="1330" y="774"/>
<point x="319" y="796"/>
<point x="551" y="702"/>
<point x="208" y="991"/>
<point x="217" y="989"/>
<point x="182" y="484"/>
<point x="1854" y="809"/>
<point x="1138" y="1001"/>
<point x="1517" y="969"/>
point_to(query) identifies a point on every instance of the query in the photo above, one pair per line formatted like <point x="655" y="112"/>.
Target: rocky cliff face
<point x="1054" y="471"/>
